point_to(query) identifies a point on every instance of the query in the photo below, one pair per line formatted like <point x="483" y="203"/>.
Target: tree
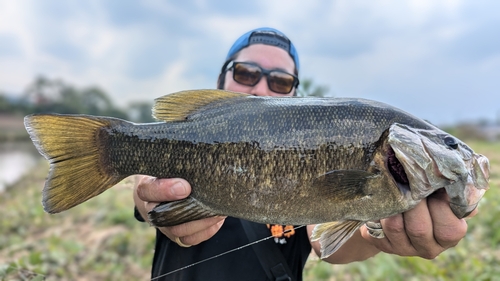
<point x="5" y="104"/>
<point x="56" y="96"/>
<point x="308" y="89"/>
<point x="141" y="112"/>
<point x="95" y="101"/>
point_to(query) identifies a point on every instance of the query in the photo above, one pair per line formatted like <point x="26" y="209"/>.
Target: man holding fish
<point x="263" y="62"/>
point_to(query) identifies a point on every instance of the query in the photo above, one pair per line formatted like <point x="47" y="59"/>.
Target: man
<point x="263" y="62"/>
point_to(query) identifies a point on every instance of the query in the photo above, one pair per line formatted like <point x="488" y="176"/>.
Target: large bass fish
<point x="273" y="160"/>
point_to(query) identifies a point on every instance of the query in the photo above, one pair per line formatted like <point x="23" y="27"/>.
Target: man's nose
<point x="261" y="88"/>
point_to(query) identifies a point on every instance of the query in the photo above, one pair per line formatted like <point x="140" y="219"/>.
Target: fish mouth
<point x="474" y="188"/>
<point x="429" y="164"/>
<point x="397" y="170"/>
<point x="462" y="211"/>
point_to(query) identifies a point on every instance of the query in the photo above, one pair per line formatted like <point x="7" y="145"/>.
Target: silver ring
<point x="375" y="229"/>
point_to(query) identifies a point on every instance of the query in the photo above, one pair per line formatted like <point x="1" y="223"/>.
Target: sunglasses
<point x="249" y="74"/>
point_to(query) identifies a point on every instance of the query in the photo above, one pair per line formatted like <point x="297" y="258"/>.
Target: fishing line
<point x="224" y="253"/>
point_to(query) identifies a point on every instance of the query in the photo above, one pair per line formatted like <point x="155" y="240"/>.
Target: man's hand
<point x="150" y="191"/>
<point x="425" y="231"/>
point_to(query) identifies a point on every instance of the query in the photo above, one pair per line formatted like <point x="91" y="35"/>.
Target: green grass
<point x="100" y="240"/>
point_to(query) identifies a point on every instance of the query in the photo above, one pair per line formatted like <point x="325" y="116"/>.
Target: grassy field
<point x="100" y="240"/>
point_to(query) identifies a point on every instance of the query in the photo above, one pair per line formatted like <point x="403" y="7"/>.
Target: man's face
<point x="268" y="57"/>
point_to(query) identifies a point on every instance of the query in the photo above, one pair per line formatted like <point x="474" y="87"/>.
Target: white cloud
<point x="413" y="54"/>
<point x="14" y="20"/>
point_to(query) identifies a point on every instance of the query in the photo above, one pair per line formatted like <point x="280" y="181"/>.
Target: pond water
<point x="16" y="159"/>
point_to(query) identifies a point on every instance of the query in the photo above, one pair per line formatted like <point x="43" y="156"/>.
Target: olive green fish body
<point x="270" y="160"/>
<point x="261" y="158"/>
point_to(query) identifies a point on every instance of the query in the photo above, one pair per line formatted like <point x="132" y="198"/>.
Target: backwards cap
<point x="267" y="36"/>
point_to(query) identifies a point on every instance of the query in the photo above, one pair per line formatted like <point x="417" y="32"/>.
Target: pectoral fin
<point x="343" y="184"/>
<point x="178" y="212"/>
<point x="333" y="235"/>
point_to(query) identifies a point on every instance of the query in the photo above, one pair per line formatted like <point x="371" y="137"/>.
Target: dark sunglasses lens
<point x="281" y="82"/>
<point x="246" y="74"/>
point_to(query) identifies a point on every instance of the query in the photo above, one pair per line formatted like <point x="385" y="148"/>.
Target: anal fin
<point x="333" y="235"/>
<point x="178" y="212"/>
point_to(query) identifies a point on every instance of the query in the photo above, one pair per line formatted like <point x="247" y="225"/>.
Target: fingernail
<point x="150" y="206"/>
<point x="178" y="189"/>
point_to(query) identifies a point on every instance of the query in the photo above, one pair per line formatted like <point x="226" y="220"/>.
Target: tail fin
<point x="72" y="145"/>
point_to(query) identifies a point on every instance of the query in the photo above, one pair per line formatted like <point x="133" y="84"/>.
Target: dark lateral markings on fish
<point x="334" y="162"/>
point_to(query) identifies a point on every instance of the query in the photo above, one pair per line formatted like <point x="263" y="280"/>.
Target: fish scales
<point x="283" y="146"/>
<point x="335" y="162"/>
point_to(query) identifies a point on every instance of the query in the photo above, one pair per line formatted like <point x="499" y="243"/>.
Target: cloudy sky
<point x="437" y="59"/>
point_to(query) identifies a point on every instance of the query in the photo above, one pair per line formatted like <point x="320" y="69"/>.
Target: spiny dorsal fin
<point x="177" y="106"/>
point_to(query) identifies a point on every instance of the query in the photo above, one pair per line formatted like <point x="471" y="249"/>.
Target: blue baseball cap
<point x="267" y="36"/>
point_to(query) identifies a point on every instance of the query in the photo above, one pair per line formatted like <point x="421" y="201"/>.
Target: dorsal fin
<point x="177" y="106"/>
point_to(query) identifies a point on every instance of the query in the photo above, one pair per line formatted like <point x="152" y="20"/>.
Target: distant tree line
<point x="55" y="96"/>
<point x="307" y="88"/>
<point x="45" y="95"/>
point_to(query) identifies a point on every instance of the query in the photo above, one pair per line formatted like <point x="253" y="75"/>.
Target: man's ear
<point x="221" y="81"/>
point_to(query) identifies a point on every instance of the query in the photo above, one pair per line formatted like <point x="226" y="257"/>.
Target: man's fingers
<point x="409" y="234"/>
<point x="202" y="235"/>
<point x="420" y="229"/>
<point x="195" y="232"/>
<point x="192" y="227"/>
<point x="396" y="240"/>
<point x="448" y="229"/>
<point x="153" y="191"/>
<point x="425" y="231"/>
<point x="150" y="189"/>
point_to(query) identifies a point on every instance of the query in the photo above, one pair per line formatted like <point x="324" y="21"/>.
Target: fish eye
<point x="451" y="142"/>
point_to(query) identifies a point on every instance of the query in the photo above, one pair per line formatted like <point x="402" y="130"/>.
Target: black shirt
<point x="241" y="264"/>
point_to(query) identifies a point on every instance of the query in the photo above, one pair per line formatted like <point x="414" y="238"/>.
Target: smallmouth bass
<point x="335" y="162"/>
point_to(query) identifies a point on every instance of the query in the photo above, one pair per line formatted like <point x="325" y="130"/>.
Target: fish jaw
<point x="433" y="159"/>
<point x="464" y="200"/>
<point x="418" y="165"/>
